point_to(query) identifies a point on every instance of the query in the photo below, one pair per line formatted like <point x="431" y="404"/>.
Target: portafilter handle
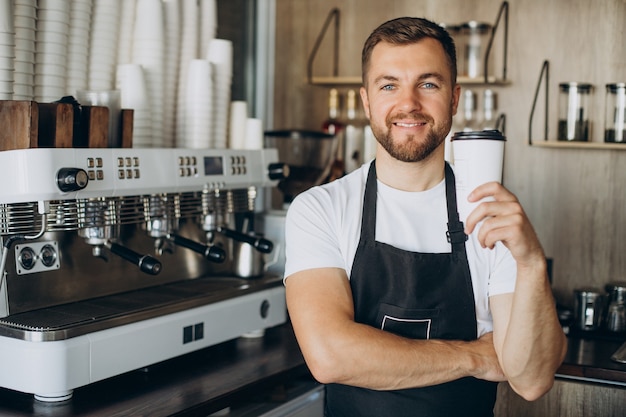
<point x="146" y="263"/>
<point x="212" y="253"/>
<point x="259" y="243"/>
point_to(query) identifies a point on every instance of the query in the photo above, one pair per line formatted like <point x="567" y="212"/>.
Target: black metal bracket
<point x="333" y="14"/>
<point x="504" y="9"/>
<point x="544" y="74"/>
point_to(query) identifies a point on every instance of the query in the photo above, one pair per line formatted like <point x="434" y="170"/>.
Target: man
<point x="394" y="317"/>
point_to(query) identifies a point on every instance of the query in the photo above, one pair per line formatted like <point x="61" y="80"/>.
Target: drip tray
<point x="75" y="319"/>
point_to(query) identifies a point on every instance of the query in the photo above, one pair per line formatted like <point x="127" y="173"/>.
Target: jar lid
<point x="474" y="26"/>
<point x="613" y="87"/>
<point x="479" y="134"/>
<point x="582" y="87"/>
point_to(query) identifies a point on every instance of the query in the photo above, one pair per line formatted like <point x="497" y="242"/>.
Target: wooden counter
<point x="196" y="384"/>
<point x="206" y="381"/>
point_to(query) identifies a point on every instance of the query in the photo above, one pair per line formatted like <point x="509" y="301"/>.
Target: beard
<point x="412" y="149"/>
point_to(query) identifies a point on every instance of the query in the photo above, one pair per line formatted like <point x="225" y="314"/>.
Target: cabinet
<point x="566" y="398"/>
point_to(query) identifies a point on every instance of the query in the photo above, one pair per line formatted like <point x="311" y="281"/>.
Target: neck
<point x="410" y="176"/>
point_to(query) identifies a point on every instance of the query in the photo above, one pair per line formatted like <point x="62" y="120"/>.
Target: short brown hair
<point x="408" y="30"/>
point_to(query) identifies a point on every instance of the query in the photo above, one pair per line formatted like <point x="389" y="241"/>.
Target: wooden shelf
<point x="579" y="145"/>
<point x="356" y="81"/>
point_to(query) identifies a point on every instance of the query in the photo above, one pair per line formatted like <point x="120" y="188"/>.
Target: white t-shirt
<point x="323" y="228"/>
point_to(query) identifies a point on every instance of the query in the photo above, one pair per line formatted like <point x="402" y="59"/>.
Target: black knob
<point x="215" y="254"/>
<point x="72" y="179"/>
<point x="146" y="263"/>
<point x="212" y="253"/>
<point x="277" y="171"/>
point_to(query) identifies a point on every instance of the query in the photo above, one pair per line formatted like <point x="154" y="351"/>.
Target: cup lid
<point x="479" y="134"/>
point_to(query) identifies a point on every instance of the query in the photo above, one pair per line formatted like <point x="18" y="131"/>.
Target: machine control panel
<point x="123" y="172"/>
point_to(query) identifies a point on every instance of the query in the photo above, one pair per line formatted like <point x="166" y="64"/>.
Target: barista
<point x="393" y="308"/>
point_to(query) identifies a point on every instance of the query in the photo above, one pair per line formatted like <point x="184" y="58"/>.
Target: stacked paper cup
<point x="208" y="28"/>
<point x="220" y="55"/>
<point x="172" y="46"/>
<point x="125" y="37"/>
<point x="7" y="49"/>
<point x="78" y="46"/>
<point x="237" y="125"/>
<point x="188" y="46"/>
<point x="198" y="105"/>
<point x="148" y="51"/>
<point x="130" y="81"/>
<point x="25" y="19"/>
<point x="53" y="23"/>
<point x="105" y="23"/>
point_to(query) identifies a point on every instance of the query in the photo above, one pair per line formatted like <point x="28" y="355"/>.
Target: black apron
<point x="415" y="295"/>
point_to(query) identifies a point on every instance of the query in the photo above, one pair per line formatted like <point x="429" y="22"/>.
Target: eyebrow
<point x="422" y="77"/>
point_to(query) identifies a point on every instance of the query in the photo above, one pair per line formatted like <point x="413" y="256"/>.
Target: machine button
<point x="128" y="161"/>
<point x="27" y="258"/>
<point x="48" y="255"/>
<point x="135" y="161"/>
<point x="98" y="162"/>
<point x="193" y="160"/>
<point x="136" y="171"/>
<point x="120" y="174"/>
<point x="92" y="175"/>
<point x="265" y="308"/>
<point x="120" y="162"/>
<point x="99" y="174"/>
<point x="72" y="179"/>
<point x="90" y="163"/>
<point x="129" y="173"/>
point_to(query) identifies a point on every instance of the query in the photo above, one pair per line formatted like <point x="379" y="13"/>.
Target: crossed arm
<point x="525" y="348"/>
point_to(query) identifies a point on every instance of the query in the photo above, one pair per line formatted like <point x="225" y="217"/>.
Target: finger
<point x="491" y="189"/>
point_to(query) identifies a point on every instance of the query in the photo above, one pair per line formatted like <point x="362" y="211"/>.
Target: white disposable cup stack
<point x="478" y="159"/>
<point x="237" y="125"/>
<point x="254" y="134"/>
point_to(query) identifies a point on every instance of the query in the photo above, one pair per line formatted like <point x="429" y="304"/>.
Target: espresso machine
<point x="116" y="259"/>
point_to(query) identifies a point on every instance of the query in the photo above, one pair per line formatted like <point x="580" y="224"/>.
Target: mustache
<point x="415" y="117"/>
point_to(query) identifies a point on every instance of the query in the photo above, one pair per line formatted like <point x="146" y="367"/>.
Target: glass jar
<point x="475" y="37"/>
<point x="574" y="121"/>
<point x="615" y="116"/>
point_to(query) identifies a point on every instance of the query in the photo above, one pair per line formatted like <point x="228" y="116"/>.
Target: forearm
<point x="363" y="356"/>
<point x="533" y="346"/>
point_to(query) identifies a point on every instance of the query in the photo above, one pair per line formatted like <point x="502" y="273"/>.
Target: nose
<point x="409" y="100"/>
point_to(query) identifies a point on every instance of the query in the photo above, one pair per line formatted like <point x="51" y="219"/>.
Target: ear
<point x="456" y="94"/>
<point x="365" y="101"/>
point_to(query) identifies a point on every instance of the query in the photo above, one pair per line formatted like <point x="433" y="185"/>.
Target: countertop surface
<point x="589" y="358"/>
<point x="206" y="381"/>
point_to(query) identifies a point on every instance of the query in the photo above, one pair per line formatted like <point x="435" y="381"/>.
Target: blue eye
<point x="387" y="87"/>
<point x="429" y="85"/>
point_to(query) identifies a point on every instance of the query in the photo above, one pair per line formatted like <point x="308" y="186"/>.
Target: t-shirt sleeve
<point x="311" y="238"/>
<point x="504" y="272"/>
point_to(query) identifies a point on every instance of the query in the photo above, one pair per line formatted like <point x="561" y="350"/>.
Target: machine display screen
<point x="213" y="165"/>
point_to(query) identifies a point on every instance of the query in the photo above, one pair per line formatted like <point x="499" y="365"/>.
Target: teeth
<point x="406" y="124"/>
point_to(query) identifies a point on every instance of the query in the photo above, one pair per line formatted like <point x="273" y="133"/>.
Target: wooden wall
<point x="576" y="198"/>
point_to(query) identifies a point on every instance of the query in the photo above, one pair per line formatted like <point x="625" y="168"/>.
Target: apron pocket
<point x="406" y="322"/>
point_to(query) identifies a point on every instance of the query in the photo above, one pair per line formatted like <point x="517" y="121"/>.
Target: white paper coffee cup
<point x="478" y="159"/>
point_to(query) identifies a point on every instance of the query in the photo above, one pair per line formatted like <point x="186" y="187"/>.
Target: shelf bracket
<point x="545" y="73"/>
<point x="333" y="14"/>
<point x="504" y="8"/>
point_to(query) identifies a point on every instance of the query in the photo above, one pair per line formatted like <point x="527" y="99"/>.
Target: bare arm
<point x="528" y="338"/>
<point x="339" y="350"/>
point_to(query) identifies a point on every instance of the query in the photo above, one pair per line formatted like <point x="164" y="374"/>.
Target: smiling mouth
<point x="409" y="124"/>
